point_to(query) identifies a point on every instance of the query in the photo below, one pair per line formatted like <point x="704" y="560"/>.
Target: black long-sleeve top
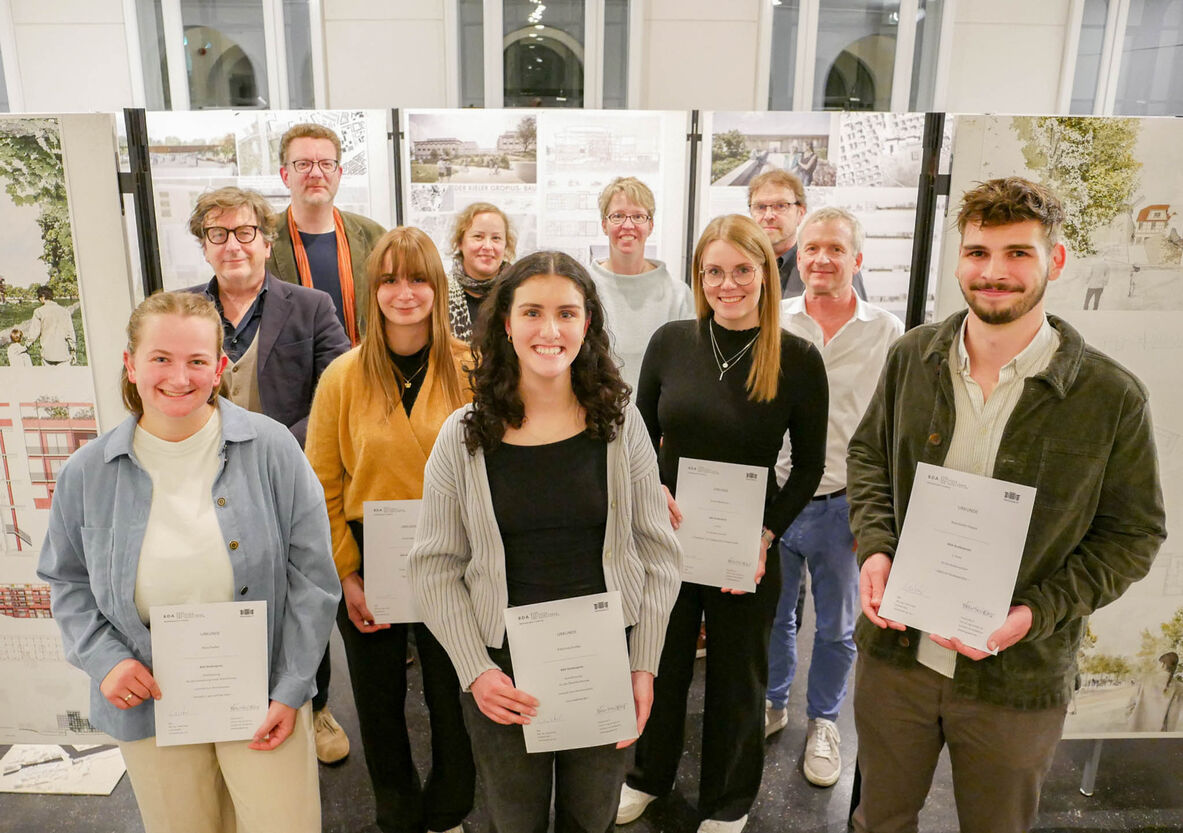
<point x="690" y="412"/>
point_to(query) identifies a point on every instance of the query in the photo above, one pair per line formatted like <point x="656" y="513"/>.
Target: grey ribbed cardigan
<point x="457" y="563"/>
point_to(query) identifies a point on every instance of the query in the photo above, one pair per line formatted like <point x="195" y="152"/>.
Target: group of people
<point x="539" y="410"/>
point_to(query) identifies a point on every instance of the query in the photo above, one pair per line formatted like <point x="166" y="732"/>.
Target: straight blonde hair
<point x="743" y="233"/>
<point x="411" y="253"/>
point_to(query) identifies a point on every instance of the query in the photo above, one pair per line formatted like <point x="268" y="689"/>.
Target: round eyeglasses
<point x="741" y="275"/>
<point x="220" y="234"/>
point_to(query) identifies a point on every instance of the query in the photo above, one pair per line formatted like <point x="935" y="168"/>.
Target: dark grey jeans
<point x="516" y="785"/>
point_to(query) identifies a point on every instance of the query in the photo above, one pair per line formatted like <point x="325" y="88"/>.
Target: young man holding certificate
<point x="1007" y="392"/>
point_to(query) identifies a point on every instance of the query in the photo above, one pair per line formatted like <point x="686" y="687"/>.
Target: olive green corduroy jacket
<point x="1081" y="435"/>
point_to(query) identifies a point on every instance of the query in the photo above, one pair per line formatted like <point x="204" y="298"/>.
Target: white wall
<point x="386" y="53"/>
<point x="1006" y="56"/>
<point x="72" y="55"/>
<point x="700" y="54"/>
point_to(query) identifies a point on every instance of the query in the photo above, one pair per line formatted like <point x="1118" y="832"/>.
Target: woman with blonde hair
<point x="483" y="244"/>
<point x="726" y="387"/>
<point x="193" y="500"/>
<point x="639" y="295"/>
<point x="374" y="421"/>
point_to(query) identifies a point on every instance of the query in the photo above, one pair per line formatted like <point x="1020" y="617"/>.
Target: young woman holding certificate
<point x="545" y="488"/>
<point x="727" y="388"/>
<point x="373" y="423"/>
<point x="193" y="500"/>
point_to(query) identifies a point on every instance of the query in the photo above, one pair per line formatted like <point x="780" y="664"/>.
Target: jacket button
<point x="242" y="590"/>
<point x="221" y="501"/>
<point x="233" y="545"/>
<point x="934" y="439"/>
<point x="904" y="641"/>
<point x="607" y="555"/>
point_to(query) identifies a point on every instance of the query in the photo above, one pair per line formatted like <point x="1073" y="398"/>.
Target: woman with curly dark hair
<point x="545" y="488"/>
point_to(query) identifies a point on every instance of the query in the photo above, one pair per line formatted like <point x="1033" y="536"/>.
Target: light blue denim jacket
<point x="271" y="511"/>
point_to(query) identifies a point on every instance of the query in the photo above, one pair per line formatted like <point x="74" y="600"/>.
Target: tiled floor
<point x="1139" y="786"/>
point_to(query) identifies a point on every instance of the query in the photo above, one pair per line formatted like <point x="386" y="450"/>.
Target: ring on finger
<point x="128" y="696"/>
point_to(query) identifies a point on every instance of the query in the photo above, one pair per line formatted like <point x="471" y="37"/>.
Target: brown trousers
<point x="1000" y="755"/>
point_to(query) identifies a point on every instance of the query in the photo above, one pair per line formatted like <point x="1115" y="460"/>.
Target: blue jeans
<point x="820" y="537"/>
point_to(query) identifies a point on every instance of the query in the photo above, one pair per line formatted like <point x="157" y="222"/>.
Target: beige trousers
<point x="904" y="716"/>
<point x="225" y="787"/>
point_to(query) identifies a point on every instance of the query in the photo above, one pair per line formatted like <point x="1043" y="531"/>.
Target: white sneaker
<point x="716" y="826"/>
<point x="457" y="829"/>
<point x="774" y="719"/>
<point x="823" y="763"/>
<point x="632" y="804"/>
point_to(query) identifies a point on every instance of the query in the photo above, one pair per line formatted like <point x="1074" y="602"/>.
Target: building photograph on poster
<point x="40" y="305"/>
<point x="473" y="146"/>
<point x="745" y="145"/>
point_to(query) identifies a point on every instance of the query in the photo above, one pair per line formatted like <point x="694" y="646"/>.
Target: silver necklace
<point x="725" y="364"/>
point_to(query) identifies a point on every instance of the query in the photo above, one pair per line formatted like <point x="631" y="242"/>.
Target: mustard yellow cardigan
<point x="361" y="453"/>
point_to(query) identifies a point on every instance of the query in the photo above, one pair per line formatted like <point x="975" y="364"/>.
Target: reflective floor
<point x="1139" y="786"/>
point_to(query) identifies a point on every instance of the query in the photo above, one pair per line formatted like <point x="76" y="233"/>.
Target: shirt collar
<point x="236" y="427"/>
<point x="211" y="291"/>
<point x="1028" y="359"/>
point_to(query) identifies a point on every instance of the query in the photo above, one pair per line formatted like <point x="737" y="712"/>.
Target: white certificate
<point x="210" y="661"/>
<point x="722" y="517"/>
<point x="390" y="530"/>
<point x="958" y="556"/>
<point x="572" y="655"/>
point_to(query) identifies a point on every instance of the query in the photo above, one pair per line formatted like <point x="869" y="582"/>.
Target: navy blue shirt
<point x="237" y="340"/>
<point x="322" y="262"/>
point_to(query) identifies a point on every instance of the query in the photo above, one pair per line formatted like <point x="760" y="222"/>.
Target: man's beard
<point x="1019" y="306"/>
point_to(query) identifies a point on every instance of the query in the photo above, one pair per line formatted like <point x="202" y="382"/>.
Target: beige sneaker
<point x="822" y="763"/>
<point x="632" y="804"/>
<point x="332" y="744"/>
<point x="774" y="719"/>
<point x="717" y="826"/>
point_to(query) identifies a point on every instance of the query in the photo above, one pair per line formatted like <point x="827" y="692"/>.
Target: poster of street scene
<point x="555" y="165"/>
<point x="40" y="305"/>
<point x="867" y="163"/>
<point x="1122" y="288"/>
<point x="193" y="152"/>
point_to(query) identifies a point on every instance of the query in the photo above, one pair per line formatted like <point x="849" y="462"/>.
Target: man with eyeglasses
<point x="280" y="337"/>
<point x="776" y="200"/>
<point x="853" y="338"/>
<point x="308" y="248"/>
<point x="638" y="294"/>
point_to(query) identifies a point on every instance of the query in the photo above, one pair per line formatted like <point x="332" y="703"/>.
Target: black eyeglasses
<point x="220" y="234"/>
<point x="759" y="208"/>
<point x="303" y="166"/>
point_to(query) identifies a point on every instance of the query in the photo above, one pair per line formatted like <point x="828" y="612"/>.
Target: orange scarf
<point x="344" y="269"/>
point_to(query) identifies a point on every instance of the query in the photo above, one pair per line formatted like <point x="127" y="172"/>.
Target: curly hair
<point x="497" y="399"/>
<point x="1012" y="199"/>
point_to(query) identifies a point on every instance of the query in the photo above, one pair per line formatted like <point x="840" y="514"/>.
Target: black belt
<point x="831" y="495"/>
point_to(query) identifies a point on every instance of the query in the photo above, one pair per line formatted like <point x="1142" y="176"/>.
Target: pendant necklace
<point x="409" y="379"/>
<point x="725" y="364"/>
